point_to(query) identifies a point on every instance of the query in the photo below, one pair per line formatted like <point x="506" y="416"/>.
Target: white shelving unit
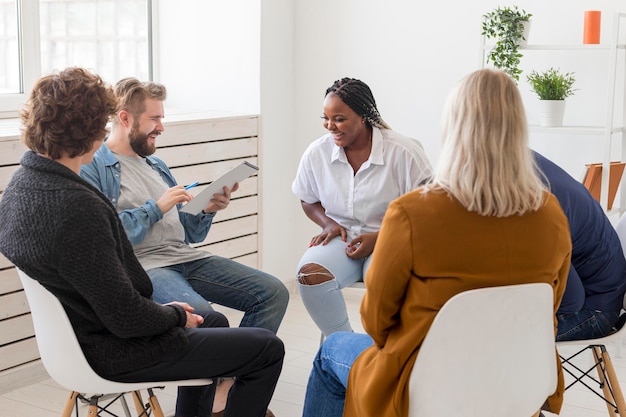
<point x="613" y="126"/>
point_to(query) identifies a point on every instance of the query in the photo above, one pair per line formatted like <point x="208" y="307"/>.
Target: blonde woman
<point x="486" y="220"/>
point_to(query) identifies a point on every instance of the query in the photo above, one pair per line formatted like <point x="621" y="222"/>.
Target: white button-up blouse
<point x="357" y="202"/>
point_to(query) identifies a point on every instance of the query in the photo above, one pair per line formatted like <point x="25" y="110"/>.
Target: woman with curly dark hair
<point x="67" y="235"/>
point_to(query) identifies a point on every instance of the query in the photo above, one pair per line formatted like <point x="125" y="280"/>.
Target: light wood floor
<point x="301" y="337"/>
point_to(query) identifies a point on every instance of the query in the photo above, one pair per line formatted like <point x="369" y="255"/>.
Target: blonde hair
<point x="485" y="161"/>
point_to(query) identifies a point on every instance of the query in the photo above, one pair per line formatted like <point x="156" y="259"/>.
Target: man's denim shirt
<point x="104" y="174"/>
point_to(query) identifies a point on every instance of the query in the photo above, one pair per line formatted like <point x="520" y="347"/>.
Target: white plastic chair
<point x="607" y="381"/>
<point x="505" y="364"/>
<point x="64" y="360"/>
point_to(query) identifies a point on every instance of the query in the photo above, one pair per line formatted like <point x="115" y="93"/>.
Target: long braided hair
<point x="358" y="96"/>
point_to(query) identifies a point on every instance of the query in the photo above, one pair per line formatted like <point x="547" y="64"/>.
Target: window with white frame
<point x="110" y="37"/>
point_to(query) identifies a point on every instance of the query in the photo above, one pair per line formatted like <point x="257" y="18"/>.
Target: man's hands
<point x="178" y="195"/>
<point x="221" y="201"/>
<point x="193" y="320"/>
<point x="173" y="196"/>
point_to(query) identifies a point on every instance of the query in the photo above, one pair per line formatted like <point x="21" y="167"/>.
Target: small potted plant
<point x="552" y="87"/>
<point x="509" y="27"/>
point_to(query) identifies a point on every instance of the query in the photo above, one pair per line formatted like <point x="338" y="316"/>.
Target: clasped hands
<point x="193" y="320"/>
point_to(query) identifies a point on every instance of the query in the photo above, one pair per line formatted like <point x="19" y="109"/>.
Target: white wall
<point x="410" y="53"/>
<point x="208" y="54"/>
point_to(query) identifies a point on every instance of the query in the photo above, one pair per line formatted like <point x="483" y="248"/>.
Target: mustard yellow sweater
<point x="429" y="249"/>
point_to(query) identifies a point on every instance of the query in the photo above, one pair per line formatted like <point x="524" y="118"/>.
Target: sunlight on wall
<point x="208" y="54"/>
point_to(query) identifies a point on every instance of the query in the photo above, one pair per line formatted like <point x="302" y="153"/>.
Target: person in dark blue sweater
<point x="596" y="283"/>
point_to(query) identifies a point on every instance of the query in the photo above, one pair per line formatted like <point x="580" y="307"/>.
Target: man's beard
<point x="139" y="142"/>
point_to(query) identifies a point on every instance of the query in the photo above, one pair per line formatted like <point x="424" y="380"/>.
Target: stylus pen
<point x="192" y="185"/>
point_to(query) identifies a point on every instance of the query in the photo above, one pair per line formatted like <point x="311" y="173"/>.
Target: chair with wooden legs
<point x="606" y="385"/>
<point x="65" y="363"/>
<point x="506" y="364"/>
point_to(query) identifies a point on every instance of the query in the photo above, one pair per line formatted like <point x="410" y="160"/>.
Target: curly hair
<point x="66" y="113"/>
<point x="132" y="95"/>
<point x="358" y="96"/>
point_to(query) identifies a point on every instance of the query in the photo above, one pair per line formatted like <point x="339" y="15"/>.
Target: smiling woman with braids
<point x="484" y="220"/>
<point x="345" y="181"/>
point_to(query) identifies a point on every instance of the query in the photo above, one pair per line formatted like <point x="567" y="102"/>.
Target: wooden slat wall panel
<point x="6" y="172"/>
<point x="231" y="229"/>
<point x="16" y="328"/>
<point x="234" y="248"/>
<point x="9" y="281"/>
<point x="18" y="353"/>
<point x="207" y="173"/>
<point x="238" y="208"/>
<point x="251" y="260"/>
<point x="197" y="148"/>
<point x="4" y="262"/>
<point x="11" y="152"/>
<point x="208" y="152"/>
<point x="13" y="304"/>
<point x="203" y="130"/>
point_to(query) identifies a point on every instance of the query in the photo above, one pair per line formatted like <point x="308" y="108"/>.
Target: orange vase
<point x="591" y="33"/>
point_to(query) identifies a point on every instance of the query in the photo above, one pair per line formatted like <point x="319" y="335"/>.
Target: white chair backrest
<point x="59" y="349"/>
<point x="489" y="352"/>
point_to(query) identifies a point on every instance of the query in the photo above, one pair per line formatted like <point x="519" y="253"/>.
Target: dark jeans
<point x="586" y="324"/>
<point x="253" y="355"/>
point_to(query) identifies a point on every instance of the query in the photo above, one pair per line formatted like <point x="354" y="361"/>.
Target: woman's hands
<point x="330" y="231"/>
<point x="362" y="246"/>
<point x="330" y="228"/>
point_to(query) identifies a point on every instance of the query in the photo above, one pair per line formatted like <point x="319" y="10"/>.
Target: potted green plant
<point x="552" y="87"/>
<point x="509" y="27"/>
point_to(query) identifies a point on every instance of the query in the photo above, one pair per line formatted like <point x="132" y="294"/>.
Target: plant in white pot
<point x="552" y="87"/>
<point x="509" y="27"/>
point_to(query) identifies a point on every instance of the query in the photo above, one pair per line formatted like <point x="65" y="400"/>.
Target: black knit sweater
<point x="64" y="233"/>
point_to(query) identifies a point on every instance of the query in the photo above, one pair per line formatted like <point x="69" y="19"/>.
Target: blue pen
<point x="192" y="185"/>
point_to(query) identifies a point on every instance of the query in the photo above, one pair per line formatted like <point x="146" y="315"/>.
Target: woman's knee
<point x="314" y="274"/>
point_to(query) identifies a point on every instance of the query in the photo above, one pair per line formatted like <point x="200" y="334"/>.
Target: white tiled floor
<point x="301" y="337"/>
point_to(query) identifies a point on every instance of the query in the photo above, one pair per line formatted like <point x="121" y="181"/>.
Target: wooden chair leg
<point x="92" y="410"/>
<point x="141" y="411"/>
<point x="69" y="404"/>
<point x="606" y="386"/>
<point x="154" y="404"/>
<point x="613" y="381"/>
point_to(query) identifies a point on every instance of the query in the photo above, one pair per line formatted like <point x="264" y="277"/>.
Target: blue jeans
<point x="262" y="297"/>
<point x="586" y="324"/>
<point x="326" y="389"/>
